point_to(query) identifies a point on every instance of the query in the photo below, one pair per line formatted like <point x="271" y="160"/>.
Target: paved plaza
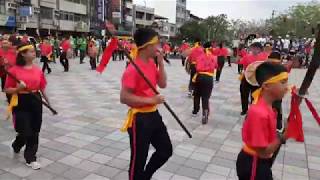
<point x="84" y="140"/>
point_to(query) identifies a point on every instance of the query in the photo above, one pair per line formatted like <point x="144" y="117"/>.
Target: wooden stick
<point x="54" y="112"/>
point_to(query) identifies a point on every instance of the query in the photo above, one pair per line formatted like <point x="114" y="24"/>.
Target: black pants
<point x="121" y="55"/>
<point x="93" y="63"/>
<point x="183" y="60"/>
<point x="244" y="167"/>
<point x="114" y="55"/>
<point x="82" y="55"/>
<point x="221" y="60"/>
<point x="202" y="89"/>
<point x="229" y="60"/>
<point x="3" y="81"/>
<point x="277" y="105"/>
<point x="240" y="68"/>
<point x="306" y="64"/>
<point x="28" y="120"/>
<point x="246" y="90"/>
<point x="45" y="65"/>
<point x="148" y="128"/>
<point x="192" y="73"/>
<point x="64" y="61"/>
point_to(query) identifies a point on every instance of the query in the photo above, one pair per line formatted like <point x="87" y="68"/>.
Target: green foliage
<point x="297" y="21"/>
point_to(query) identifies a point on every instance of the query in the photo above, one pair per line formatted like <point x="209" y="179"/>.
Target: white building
<point x="50" y="15"/>
<point x="175" y="10"/>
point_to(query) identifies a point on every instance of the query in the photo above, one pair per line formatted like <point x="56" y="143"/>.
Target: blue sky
<point x="244" y="9"/>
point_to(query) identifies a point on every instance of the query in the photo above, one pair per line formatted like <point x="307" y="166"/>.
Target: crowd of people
<point x="263" y="131"/>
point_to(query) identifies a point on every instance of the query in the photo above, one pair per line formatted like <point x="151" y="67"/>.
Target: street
<point x="84" y="141"/>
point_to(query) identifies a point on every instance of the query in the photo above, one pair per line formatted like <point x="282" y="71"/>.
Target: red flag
<point x="313" y="110"/>
<point x="107" y="55"/>
<point x="294" y="129"/>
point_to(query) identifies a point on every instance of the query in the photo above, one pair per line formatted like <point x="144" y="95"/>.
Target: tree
<point x="192" y="30"/>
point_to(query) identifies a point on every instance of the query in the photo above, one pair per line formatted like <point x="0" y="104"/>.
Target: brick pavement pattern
<point x="84" y="141"/>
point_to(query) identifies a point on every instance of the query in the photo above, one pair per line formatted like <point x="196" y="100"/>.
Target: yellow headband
<point x="154" y="40"/>
<point x="275" y="79"/>
<point x="25" y="47"/>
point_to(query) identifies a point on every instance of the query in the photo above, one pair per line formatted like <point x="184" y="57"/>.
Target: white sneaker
<point x="34" y="165"/>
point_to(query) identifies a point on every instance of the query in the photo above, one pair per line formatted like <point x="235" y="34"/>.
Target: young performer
<point x="144" y="123"/>
<point x="92" y="52"/>
<point x="46" y="52"/>
<point x="184" y="46"/>
<point x="245" y="88"/>
<point x="27" y="111"/>
<point x="242" y="52"/>
<point x="203" y="82"/>
<point x="193" y="54"/>
<point x="166" y="49"/>
<point x="222" y="54"/>
<point x="259" y="135"/>
<point x="8" y="53"/>
<point x="82" y="42"/>
<point x="66" y="47"/>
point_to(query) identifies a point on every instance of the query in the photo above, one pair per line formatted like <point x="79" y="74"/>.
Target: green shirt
<point x="82" y="44"/>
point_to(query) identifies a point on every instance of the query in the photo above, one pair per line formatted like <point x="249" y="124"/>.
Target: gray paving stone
<point x="75" y="173"/>
<point x="41" y="175"/>
<point x="107" y="171"/>
<point x="119" y="163"/>
<point x="195" y="164"/>
<point x="57" y="168"/>
<point x="189" y="172"/>
<point x="88" y="165"/>
<point x="9" y="176"/>
<point x="95" y="177"/>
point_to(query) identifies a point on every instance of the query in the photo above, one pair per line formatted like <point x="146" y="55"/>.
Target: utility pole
<point x="133" y="19"/>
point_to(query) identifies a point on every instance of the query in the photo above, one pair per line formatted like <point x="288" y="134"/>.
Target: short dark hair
<point x="268" y="70"/>
<point x="143" y="35"/>
<point x="256" y="45"/>
<point x="207" y="45"/>
<point x="275" y="55"/>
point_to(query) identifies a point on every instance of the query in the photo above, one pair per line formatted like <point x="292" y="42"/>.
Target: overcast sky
<point x="244" y="9"/>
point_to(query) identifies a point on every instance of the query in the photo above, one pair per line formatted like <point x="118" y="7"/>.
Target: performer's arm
<point x="19" y="87"/>
<point x="127" y="97"/>
<point x="162" y="81"/>
<point x="270" y="149"/>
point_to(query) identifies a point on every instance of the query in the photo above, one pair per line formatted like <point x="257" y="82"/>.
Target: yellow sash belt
<point x="14" y="102"/>
<point x="131" y="115"/>
<point x="253" y="152"/>
<point x="194" y="78"/>
<point x="241" y="76"/>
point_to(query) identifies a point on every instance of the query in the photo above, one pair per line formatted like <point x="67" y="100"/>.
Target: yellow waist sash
<point x="241" y="76"/>
<point x="132" y="113"/>
<point x="14" y="102"/>
<point x="194" y="78"/>
<point x="253" y="152"/>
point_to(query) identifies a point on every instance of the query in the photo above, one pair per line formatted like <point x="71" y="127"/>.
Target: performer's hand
<point x="158" y="99"/>
<point x="22" y="85"/>
<point x="159" y="58"/>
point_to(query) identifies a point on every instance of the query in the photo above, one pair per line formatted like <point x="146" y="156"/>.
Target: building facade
<point x="43" y="17"/>
<point x="176" y="11"/>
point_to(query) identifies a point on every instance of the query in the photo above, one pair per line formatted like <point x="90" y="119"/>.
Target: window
<point x="139" y="15"/>
<point x="85" y="2"/>
<point x="2" y="7"/>
<point x="46" y="13"/>
<point x="171" y="29"/>
<point x="149" y="17"/>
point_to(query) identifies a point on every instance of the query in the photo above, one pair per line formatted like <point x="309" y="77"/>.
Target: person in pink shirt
<point x="246" y="89"/>
<point x="203" y="82"/>
<point x="8" y="53"/>
<point x="184" y="46"/>
<point x="66" y="47"/>
<point x="222" y="54"/>
<point x="46" y="52"/>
